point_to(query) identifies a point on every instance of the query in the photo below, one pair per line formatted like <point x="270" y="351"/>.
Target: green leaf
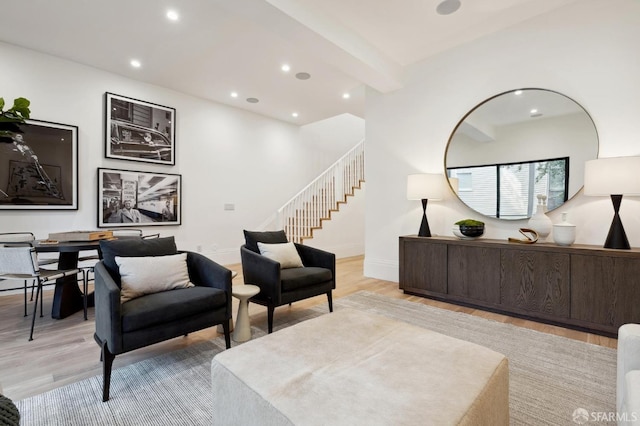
<point x="1" y="103"/>
<point x="21" y="107"/>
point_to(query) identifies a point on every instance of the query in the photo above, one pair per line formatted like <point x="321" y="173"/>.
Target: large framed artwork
<point x="128" y="198"/>
<point x="39" y="167"/>
<point x="139" y="131"/>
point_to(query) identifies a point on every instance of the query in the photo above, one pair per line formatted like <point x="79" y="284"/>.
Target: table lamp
<point x="424" y="186"/>
<point x="614" y="177"/>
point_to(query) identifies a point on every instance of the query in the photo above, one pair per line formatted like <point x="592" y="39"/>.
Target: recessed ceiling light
<point x="172" y="15"/>
<point x="234" y="94"/>
<point x="346" y="96"/>
<point x="285" y="68"/>
<point x="253" y="100"/>
<point x="294" y="114"/>
<point x="447" y="7"/>
<point x="303" y="76"/>
<point x="135" y="63"/>
<point x="534" y="111"/>
<point x="518" y="92"/>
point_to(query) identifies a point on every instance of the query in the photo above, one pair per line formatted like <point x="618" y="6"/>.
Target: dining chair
<point x="21" y="262"/>
<point x="10" y="238"/>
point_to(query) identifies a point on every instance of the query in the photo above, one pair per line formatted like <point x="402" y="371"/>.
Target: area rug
<point x="551" y="377"/>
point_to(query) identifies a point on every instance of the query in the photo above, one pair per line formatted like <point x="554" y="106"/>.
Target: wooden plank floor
<point x="63" y="351"/>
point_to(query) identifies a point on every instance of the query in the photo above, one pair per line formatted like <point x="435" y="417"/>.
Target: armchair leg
<point x="107" y="362"/>
<point x="330" y="299"/>
<point x="270" y="310"/>
<point x="227" y="333"/>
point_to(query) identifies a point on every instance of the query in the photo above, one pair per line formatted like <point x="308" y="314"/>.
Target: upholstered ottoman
<point x="352" y="367"/>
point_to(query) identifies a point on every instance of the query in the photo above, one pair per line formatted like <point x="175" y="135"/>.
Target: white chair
<point x="21" y="263"/>
<point x="9" y="238"/>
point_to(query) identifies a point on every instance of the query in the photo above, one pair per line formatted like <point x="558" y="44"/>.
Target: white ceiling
<point x="220" y="46"/>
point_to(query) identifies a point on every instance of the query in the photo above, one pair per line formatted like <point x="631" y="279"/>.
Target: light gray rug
<point x="550" y="376"/>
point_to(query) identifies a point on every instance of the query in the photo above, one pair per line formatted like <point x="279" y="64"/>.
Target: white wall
<point x="587" y="51"/>
<point x="225" y="155"/>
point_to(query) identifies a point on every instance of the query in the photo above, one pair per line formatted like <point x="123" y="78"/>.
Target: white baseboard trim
<point x="381" y="269"/>
<point x="341" y="250"/>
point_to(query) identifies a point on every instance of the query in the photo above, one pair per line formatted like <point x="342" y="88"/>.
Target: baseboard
<point x="340" y="250"/>
<point x="381" y="269"/>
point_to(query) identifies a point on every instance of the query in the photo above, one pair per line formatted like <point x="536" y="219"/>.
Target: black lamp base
<point x="424" y="225"/>
<point x="617" y="238"/>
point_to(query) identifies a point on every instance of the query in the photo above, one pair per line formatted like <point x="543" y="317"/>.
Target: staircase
<point x="306" y="211"/>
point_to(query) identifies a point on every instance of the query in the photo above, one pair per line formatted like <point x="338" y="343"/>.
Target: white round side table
<point x="243" y="293"/>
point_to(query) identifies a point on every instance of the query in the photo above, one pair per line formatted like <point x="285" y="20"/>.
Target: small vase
<point x="540" y="222"/>
<point x="564" y="233"/>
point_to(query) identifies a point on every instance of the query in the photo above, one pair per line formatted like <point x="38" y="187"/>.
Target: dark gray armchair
<point x="152" y="318"/>
<point x="283" y="286"/>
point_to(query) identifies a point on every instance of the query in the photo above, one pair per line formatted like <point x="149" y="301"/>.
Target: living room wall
<point x="225" y="155"/>
<point x="587" y="51"/>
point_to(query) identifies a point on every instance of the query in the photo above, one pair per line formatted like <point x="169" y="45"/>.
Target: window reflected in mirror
<point x="509" y="191"/>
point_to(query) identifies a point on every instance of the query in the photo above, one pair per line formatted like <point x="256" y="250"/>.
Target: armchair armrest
<point x="263" y="272"/>
<point x="207" y="273"/>
<point x="108" y="309"/>
<point x="312" y="256"/>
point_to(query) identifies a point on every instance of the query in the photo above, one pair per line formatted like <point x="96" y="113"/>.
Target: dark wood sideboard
<point x="582" y="286"/>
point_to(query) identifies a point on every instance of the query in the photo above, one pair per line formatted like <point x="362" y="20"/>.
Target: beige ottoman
<point x="352" y="367"/>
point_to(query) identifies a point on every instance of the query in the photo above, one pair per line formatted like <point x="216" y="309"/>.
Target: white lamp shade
<point x="612" y="176"/>
<point x="425" y="185"/>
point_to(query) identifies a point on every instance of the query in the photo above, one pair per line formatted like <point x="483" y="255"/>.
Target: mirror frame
<point x="457" y="126"/>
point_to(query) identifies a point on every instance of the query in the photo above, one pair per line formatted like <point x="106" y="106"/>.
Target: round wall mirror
<point x="517" y="145"/>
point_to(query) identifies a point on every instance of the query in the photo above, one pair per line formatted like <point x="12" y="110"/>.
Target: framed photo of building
<point x="39" y="167"/>
<point x="139" y="131"/>
<point x="128" y="198"/>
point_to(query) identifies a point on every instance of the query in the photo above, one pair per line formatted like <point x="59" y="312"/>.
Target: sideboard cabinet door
<point x="605" y="290"/>
<point x="423" y="267"/>
<point x="536" y="282"/>
<point x="474" y="273"/>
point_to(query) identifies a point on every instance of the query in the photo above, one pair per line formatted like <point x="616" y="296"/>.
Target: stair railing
<point x="314" y="203"/>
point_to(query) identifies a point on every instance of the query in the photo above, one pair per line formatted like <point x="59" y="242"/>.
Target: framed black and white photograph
<point x="139" y="131"/>
<point x="128" y="198"/>
<point x="39" y="167"/>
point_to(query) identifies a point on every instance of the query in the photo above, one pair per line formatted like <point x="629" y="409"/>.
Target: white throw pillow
<point x="284" y="253"/>
<point x="152" y="274"/>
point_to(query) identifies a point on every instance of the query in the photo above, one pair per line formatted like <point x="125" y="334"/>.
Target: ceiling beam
<point x="317" y="33"/>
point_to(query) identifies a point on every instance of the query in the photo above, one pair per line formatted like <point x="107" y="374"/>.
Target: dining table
<point x="67" y="296"/>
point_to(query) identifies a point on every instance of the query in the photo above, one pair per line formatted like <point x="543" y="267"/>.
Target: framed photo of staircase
<point x="131" y="198"/>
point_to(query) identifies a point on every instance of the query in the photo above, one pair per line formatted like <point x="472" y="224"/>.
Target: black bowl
<point x="472" y="230"/>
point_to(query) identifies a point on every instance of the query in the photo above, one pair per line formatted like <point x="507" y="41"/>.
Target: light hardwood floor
<point x="63" y="351"/>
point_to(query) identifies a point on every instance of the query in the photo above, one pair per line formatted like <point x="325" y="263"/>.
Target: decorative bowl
<point x="472" y="231"/>
<point x="467" y="232"/>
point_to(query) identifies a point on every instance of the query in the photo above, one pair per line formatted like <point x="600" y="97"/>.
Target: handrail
<point x="359" y="145"/>
<point x="310" y="206"/>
